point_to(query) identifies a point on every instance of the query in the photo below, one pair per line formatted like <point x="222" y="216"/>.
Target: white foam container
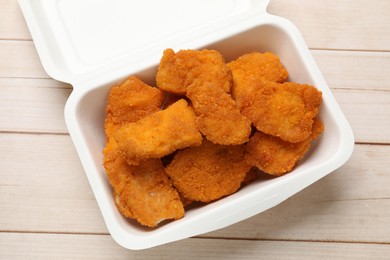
<point x="93" y="44"/>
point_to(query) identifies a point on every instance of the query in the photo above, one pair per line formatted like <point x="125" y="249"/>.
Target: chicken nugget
<point x="129" y="102"/>
<point x="148" y="196"/>
<point x="159" y="134"/>
<point x="209" y="171"/>
<point x="138" y="190"/>
<point x="115" y="166"/>
<point x="218" y="117"/>
<point x="255" y="66"/>
<point x="283" y="110"/>
<point x="142" y="192"/>
<point x="178" y="70"/>
<point x="275" y="156"/>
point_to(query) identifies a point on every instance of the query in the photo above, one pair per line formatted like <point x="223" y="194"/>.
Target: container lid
<point x="77" y="40"/>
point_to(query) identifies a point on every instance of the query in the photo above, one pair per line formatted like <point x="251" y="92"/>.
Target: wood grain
<point x="346" y="25"/>
<point x="12" y="24"/>
<point x="358" y="70"/>
<point x="365" y="100"/>
<point x="73" y="246"/>
<point x="19" y="59"/>
<point x="351" y="204"/>
<point x="341" y="69"/>
<point x="33" y="105"/>
<point x="364" y="109"/>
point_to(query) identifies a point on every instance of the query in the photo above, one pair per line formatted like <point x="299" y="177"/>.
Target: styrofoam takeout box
<point x="93" y="44"/>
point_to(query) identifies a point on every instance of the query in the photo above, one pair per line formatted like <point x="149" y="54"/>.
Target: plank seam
<point x="297" y="240"/>
<point x="349" y="50"/>
<point x="212" y="238"/>
<point x="33" y="133"/>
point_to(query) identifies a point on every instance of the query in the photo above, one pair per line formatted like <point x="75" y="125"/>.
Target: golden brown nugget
<point x="143" y="192"/>
<point x="159" y="134"/>
<point x="178" y="70"/>
<point x="209" y="171"/>
<point x="115" y="166"/>
<point x="218" y="117"/>
<point x="255" y="66"/>
<point x="283" y="110"/>
<point x="275" y="156"/>
<point x="317" y="129"/>
<point x="129" y="102"/>
<point x="149" y="196"/>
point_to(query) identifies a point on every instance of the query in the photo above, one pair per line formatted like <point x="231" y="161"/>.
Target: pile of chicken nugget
<point x="204" y="131"/>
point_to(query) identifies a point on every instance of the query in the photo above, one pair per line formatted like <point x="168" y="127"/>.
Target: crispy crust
<point x="178" y="70"/>
<point x="275" y="156"/>
<point x="148" y="196"/>
<point x="143" y="132"/>
<point x="255" y="66"/>
<point x="159" y="134"/>
<point x="129" y="102"/>
<point x="209" y="171"/>
<point x="283" y="110"/>
<point x="142" y="192"/>
<point x="218" y="117"/>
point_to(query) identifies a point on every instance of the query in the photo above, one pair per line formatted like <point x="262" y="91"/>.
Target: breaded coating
<point x="275" y="156"/>
<point x="138" y="190"/>
<point x="159" y="134"/>
<point x="178" y="70"/>
<point x="149" y="196"/>
<point x="218" y="117"/>
<point x="143" y="192"/>
<point x="255" y="66"/>
<point x="115" y="166"/>
<point x="206" y="130"/>
<point x="282" y="110"/>
<point x="317" y="129"/>
<point x="209" y="171"/>
<point x="129" y="102"/>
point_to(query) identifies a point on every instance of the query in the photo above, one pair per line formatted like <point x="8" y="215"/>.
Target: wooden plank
<point x="37" y="105"/>
<point x="20" y="59"/>
<point x="341" y="69"/>
<point x="328" y="24"/>
<point x="12" y="23"/>
<point x="354" y="70"/>
<point x="33" y="105"/>
<point x="368" y="112"/>
<point x="59" y="246"/>
<point x="348" y="25"/>
<point x="351" y="204"/>
<point x="44" y="187"/>
<point x="42" y="179"/>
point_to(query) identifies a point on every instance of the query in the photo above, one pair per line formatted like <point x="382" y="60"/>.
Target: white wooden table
<point x="47" y="209"/>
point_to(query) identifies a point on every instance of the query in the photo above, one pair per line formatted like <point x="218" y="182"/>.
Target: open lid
<point x="78" y="40"/>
